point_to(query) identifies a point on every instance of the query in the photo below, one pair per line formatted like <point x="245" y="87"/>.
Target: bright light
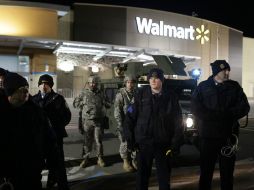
<point x="46" y="67"/>
<point x="95" y="69"/>
<point x="77" y="50"/>
<point x="145" y="57"/>
<point x="149" y="63"/>
<point x="196" y="72"/>
<point x="7" y="28"/>
<point x="65" y="66"/>
<point x="189" y="122"/>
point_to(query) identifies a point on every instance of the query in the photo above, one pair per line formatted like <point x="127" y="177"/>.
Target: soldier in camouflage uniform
<point x="92" y="103"/>
<point x="123" y="99"/>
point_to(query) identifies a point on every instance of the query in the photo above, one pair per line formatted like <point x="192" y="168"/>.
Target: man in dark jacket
<point x="3" y="72"/>
<point x="149" y="126"/>
<point x="218" y="103"/>
<point x="3" y="97"/>
<point x="59" y="115"/>
<point x="26" y="137"/>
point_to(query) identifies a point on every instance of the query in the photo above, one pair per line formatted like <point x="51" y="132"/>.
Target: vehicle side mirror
<point x="243" y="121"/>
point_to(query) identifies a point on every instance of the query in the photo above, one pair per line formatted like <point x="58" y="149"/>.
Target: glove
<point x="132" y="146"/>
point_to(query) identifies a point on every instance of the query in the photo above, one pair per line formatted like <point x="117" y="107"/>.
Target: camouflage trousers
<point x="124" y="152"/>
<point x="92" y="134"/>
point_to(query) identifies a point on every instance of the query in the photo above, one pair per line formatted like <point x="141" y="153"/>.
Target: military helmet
<point x="129" y="78"/>
<point x="93" y="79"/>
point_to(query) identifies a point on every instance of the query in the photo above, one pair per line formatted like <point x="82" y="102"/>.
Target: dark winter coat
<point x="57" y="111"/>
<point x="152" y="119"/>
<point x="218" y="107"/>
<point x="26" y="139"/>
<point x="3" y="99"/>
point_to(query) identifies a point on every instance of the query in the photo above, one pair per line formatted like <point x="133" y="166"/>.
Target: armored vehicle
<point x="175" y="78"/>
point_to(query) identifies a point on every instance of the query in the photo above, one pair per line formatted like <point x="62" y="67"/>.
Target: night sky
<point x="235" y="14"/>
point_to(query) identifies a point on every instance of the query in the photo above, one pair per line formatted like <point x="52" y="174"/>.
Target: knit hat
<point x="46" y="79"/>
<point x="157" y="73"/>
<point x="3" y="72"/>
<point x="218" y="66"/>
<point x="13" y="82"/>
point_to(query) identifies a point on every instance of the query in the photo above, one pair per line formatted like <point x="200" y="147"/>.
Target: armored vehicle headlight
<point x="189" y="122"/>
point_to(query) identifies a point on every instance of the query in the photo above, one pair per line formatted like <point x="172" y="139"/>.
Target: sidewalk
<point x="184" y="176"/>
<point x="113" y="177"/>
<point x="73" y="149"/>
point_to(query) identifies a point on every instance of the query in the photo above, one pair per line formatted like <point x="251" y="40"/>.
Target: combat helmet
<point x="129" y="78"/>
<point x="93" y="79"/>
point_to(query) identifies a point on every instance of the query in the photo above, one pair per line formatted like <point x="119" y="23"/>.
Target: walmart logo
<point x="148" y="26"/>
<point x="202" y="34"/>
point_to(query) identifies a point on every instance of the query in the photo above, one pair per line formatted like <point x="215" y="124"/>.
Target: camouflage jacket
<point x="92" y="104"/>
<point x="122" y="101"/>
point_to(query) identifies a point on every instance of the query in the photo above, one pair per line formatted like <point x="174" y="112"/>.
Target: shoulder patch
<point x="130" y="109"/>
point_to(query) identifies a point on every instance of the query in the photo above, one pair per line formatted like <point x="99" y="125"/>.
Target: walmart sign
<point x="160" y="29"/>
<point x="147" y="26"/>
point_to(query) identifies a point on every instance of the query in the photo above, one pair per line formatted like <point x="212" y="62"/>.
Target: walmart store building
<point x="96" y="36"/>
<point x="197" y="41"/>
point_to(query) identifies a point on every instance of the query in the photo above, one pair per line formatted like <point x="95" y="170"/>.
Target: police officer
<point x="149" y="126"/>
<point x="218" y="103"/>
<point x="92" y="103"/>
<point x="124" y="98"/>
<point x="59" y="115"/>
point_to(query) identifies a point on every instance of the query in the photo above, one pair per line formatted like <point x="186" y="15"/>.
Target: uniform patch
<point x="130" y="109"/>
<point x="222" y="66"/>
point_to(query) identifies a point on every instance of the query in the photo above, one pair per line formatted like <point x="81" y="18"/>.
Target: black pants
<point x="24" y="178"/>
<point x="210" y="151"/>
<point x="57" y="171"/>
<point x="145" y="157"/>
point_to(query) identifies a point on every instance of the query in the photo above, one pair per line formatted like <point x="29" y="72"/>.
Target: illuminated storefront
<point x="93" y="37"/>
<point x="199" y="42"/>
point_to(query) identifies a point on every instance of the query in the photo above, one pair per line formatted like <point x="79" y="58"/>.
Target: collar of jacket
<point x="161" y="93"/>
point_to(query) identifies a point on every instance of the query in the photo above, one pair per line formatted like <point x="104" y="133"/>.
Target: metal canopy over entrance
<point x="95" y="51"/>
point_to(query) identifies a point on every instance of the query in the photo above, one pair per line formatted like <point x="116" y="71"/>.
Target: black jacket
<point x="26" y="139"/>
<point x="57" y="111"/>
<point x="218" y="107"/>
<point x="152" y="119"/>
<point x="3" y="99"/>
